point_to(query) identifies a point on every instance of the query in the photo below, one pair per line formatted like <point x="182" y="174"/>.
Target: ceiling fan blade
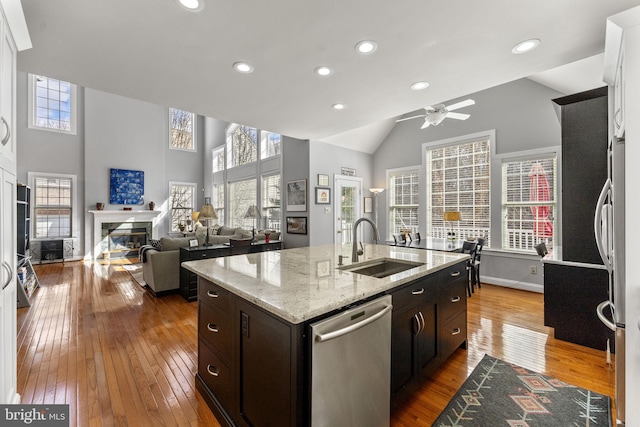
<point x="425" y="125"/>
<point x="461" y="104"/>
<point x="458" y="116"/>
<point x="409" y="118"/>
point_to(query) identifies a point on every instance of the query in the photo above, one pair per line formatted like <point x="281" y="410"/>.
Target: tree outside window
<point x="242" y="145"/>
<point x="182" y="199"/>
<point x="242" y="194"/>
<point x="182" y="129"/>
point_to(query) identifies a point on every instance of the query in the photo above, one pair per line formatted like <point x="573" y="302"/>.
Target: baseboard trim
<point x="525" y="286"/>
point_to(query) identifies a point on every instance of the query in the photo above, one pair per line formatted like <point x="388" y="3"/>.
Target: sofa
<point x="161" y="259"/>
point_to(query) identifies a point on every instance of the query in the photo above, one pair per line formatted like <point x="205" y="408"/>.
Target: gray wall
<point x="524" y="120"/>
<point x="295" y="161"/>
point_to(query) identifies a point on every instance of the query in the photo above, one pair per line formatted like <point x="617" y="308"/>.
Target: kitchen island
<point x="255" y="311"/>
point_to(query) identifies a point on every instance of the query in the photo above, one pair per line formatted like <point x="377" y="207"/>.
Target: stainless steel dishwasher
<point x="351" y="367"/>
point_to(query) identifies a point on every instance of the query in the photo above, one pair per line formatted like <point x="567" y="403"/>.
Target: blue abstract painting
<point x="127" y="187"/>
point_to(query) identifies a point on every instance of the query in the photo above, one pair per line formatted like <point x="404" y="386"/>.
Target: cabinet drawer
<point x="454" y="300"/>
<point x="453" y="334"/>
<point x="216" y="375"/>
<point x="210" y="293"/>
<point x="215" y="328"/>
<point x="458" y="271"/>
<point x="412" y="294"/>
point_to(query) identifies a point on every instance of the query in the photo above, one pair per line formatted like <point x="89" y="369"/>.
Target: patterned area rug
<point x="498" y="393"/>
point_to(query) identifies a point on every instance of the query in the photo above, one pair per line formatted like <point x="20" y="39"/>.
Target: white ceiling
<point x="154" y="50"/>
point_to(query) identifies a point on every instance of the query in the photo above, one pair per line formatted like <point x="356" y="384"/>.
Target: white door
<point x="347" y="205"/>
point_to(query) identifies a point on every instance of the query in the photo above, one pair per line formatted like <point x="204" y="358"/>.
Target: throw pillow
<point x="156" y="244"/>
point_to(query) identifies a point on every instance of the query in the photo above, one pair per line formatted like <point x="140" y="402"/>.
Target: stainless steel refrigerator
<point x="609" y="230"/>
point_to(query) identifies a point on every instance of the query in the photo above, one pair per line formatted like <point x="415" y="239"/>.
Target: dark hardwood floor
<point x="93" y="338"/>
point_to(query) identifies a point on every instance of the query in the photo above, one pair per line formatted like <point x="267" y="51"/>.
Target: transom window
<point x="182" y="130"/>
<point x="270" y="144"/>
<point x="403" y="201"/>
<point x="242" y="145"/>
<point x="52" y="104"/>
<point x="528" y="203"/>
<point x="182" y="199"/>
<point x="458" y="179"/>
<point x="53" y="206"/>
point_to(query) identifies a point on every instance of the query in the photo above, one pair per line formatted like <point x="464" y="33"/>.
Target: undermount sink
<point x="380" y="268"/>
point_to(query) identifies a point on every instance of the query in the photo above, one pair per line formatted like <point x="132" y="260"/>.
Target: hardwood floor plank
<point x="93" y="338"/>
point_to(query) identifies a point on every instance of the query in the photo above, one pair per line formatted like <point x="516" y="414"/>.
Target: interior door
<point x="347" y="206"/>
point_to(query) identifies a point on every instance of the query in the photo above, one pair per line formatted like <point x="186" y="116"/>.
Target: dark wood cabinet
<point x="584" y="124"/>
<point x="189" y="280"/>
<point x="23" y="215"/>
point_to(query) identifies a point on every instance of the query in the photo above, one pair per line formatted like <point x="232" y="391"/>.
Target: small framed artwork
<point x="323" y="196"/>
<point x="368" y="205"/>
<point x="348" y="171"/>
<point x="323" y="180"/>
<point x="193" y="243"/>
<point x="297" y="196"/>
<point x="323" y="268"/>
<point x="297" y="224"/>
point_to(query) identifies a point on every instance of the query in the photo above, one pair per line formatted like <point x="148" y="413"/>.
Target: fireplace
<point x="121" y="233"/>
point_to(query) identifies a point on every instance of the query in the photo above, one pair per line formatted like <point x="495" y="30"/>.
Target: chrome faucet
<point x="354" y="251"/>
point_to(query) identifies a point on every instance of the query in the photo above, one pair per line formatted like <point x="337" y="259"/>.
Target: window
<point x="182" y="199"/>
<point x="218" y="201"/>
<point x="242" y="194"/>
<point x="182" y="130"/>
<point x="271" y="202"/>
<point x="269" y="144"/>
<point x="218" y="159"/>
<point x="458" y="179"/>
<point x="53" y="208"/>
<point x="403" y="200"/>
<point x="242" y="145"/>
<point x="52" y="104"/>
<point x="528" y="203"/>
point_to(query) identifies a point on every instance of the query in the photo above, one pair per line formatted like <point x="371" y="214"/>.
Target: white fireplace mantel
<point x="100" y="217"/>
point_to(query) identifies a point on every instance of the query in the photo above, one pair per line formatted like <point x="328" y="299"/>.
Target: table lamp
<point x="207" y="213"/>
<point x="254" y="213"/>
<point x="450" y="216"/>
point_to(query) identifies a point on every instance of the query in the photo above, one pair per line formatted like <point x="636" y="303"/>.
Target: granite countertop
<point x="303" y="283"/>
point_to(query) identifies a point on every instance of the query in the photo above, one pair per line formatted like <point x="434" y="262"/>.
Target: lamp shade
<point x="253" y="212"/>
<point x="376" y="190"/>
<point x="207" y="211"/>
<point x="452" y="216"/>
<point x="194" y="215"/>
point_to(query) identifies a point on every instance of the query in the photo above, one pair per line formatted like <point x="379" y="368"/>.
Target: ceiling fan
<point x="434" y="115"/>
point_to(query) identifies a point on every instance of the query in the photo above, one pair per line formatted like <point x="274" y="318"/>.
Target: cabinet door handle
<point x="212" y="294"/>
<point x="417" y="291"/>
<point x="456" y="331"/>
<point x="455" y="274"/>
<point x="456" y="299"/>
<point x="416" y="328"/>
<point x="212" y="327"/>
<point x="7" y="267"/>
<point x="422" y="319"/>
<point x="8" y="135"/>
<point x="212" y="370"/>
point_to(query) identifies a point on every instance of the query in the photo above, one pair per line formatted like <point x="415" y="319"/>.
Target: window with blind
<point x="458" y="179"/>
<point x="242" y="194"/>
<point x="182" y="130"/>
<point x="242" y="145"/>
<point x="218" y="201"/>
<point x="271" y="202"/>
<point x="270" y="144"/>
<point x="528" y="203"/>
<point x="52" y="104"/>
<point x="53" y="206"/>
<point x="183" y="199"/>
<point x="404" y="197"/>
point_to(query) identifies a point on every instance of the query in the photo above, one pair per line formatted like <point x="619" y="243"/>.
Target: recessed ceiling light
<point x="366" y="46"/>
<point x="338" y="106"/>
<point x="419" y="85"/>
<point x="323" y="71"/>
<point x="191" y="5"/>
<point x="242" y="67"/>
<point x="526" y="46"/>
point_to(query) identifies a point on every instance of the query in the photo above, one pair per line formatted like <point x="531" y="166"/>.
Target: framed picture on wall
<point x="323" y="180"/>
<point x="297" y="224"/>
<point x="323" y="196"/>
<point x="297" y="196"/>
<point x="368" y="205"/>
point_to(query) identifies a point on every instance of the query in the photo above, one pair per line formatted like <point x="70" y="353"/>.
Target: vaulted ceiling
<point x="156" y="51"/>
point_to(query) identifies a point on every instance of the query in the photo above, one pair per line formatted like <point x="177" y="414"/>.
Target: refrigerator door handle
<point x="600" y="311"/>
<point x="597" y="224"/>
